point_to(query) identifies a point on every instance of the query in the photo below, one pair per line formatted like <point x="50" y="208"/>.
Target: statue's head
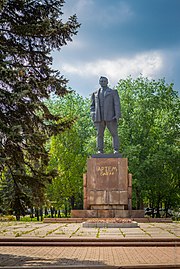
<point x="103" y="81"/>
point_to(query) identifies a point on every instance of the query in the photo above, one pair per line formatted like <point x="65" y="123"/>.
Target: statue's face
<point x="103" y="82"/>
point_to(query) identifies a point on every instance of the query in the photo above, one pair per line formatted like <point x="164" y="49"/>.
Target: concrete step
<point x="90" y="242"/>
<point x="80" y="220"/>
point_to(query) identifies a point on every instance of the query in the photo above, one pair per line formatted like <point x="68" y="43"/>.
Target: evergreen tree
<point x="29" y="31"/>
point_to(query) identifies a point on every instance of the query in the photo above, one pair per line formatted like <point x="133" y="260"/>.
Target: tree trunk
<point x="18" y="217"/>
<point x="65" y="209"/>
<point x="45" y="211"/>
<point x="59" y="213"/>
<point x="52" y="212"/>
<point x="138" y="199"/>
<point x="72" y="202"/>
<point x="32" y="213"/>
<point x="37" y="214"/>
<point x="41" y="213"/>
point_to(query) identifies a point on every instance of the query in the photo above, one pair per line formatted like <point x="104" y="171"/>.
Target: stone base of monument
<point x="107" y="189"/>
<point x="110" y="223"/>
<point x="107" y="213"/>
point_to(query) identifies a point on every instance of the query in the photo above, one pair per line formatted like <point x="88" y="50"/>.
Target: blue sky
<point x="119" y="38"/>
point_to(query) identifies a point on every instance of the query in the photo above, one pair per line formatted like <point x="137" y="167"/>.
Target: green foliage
<point x="150" y="139"/>
<point x="149" y="135"/>
<point x="7" y="218"/>
<point x="29" y="31"/>
<point x="69" y="151"/>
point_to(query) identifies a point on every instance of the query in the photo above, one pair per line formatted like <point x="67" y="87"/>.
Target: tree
<point x="149" y="138"/>
<point x="29" y="31"/>
<point x="69" y="151"/>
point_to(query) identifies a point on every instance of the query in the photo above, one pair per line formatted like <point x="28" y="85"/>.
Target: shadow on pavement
<point x="10" y="261"/>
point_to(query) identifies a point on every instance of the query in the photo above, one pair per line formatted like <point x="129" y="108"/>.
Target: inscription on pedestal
<point x="106" y="170"/>
<point x="107" y="182"/>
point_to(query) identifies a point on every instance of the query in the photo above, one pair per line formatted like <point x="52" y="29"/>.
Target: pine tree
<point x="29" y="32"/>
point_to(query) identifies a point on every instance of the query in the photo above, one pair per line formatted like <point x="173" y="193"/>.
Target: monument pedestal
<point x="107" y="189"/>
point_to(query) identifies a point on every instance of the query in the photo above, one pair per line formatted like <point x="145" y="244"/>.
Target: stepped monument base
<point x="107" y="189"/>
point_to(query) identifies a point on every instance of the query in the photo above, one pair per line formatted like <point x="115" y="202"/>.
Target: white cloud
<point x="79" y="7"/>
<point x="148" y="64"/>
<point x="83" y="5"/>
<point x="105" y="15"/>
<point x="76" y="44"/>
<point x="115" y="13"/>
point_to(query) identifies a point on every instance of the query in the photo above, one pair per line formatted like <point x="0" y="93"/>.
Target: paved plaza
<point x="70" y="245"/>
<point x="77" y="231"/>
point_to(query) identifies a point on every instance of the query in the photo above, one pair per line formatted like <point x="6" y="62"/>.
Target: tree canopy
<point x="149" y="133"/>
<point x="149" y="136"/>
<point x="69" y="151"/>
<point x="29" y="31"/>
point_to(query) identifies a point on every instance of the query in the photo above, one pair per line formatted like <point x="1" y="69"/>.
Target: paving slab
<point x="89" y="257"/>
<point x="70" y="245"/>
<point x="74" y="230"/>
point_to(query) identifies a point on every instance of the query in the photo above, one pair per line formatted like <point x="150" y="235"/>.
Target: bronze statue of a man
<point x="105" y="112"/>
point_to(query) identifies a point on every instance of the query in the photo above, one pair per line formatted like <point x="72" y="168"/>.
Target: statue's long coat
<point x="111" y="105"/>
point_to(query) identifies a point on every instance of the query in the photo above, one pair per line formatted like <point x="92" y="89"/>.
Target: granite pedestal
<point x="107" y="189"/>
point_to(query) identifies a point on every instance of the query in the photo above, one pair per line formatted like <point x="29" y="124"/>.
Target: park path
<point x="95" y="255"/>
<point x="89" y="256"/>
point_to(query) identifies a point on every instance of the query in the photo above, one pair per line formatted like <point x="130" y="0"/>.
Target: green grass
<point x="29" y="219"/>
<point x="18" y="234"/>
<point x="7" y="218"/>
<point x="74" y="232"/>
<point x="123" y="234"/>
<point x="98" y="233"/>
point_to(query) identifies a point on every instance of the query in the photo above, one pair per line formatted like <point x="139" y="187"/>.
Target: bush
<point x="7" y="218"/>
